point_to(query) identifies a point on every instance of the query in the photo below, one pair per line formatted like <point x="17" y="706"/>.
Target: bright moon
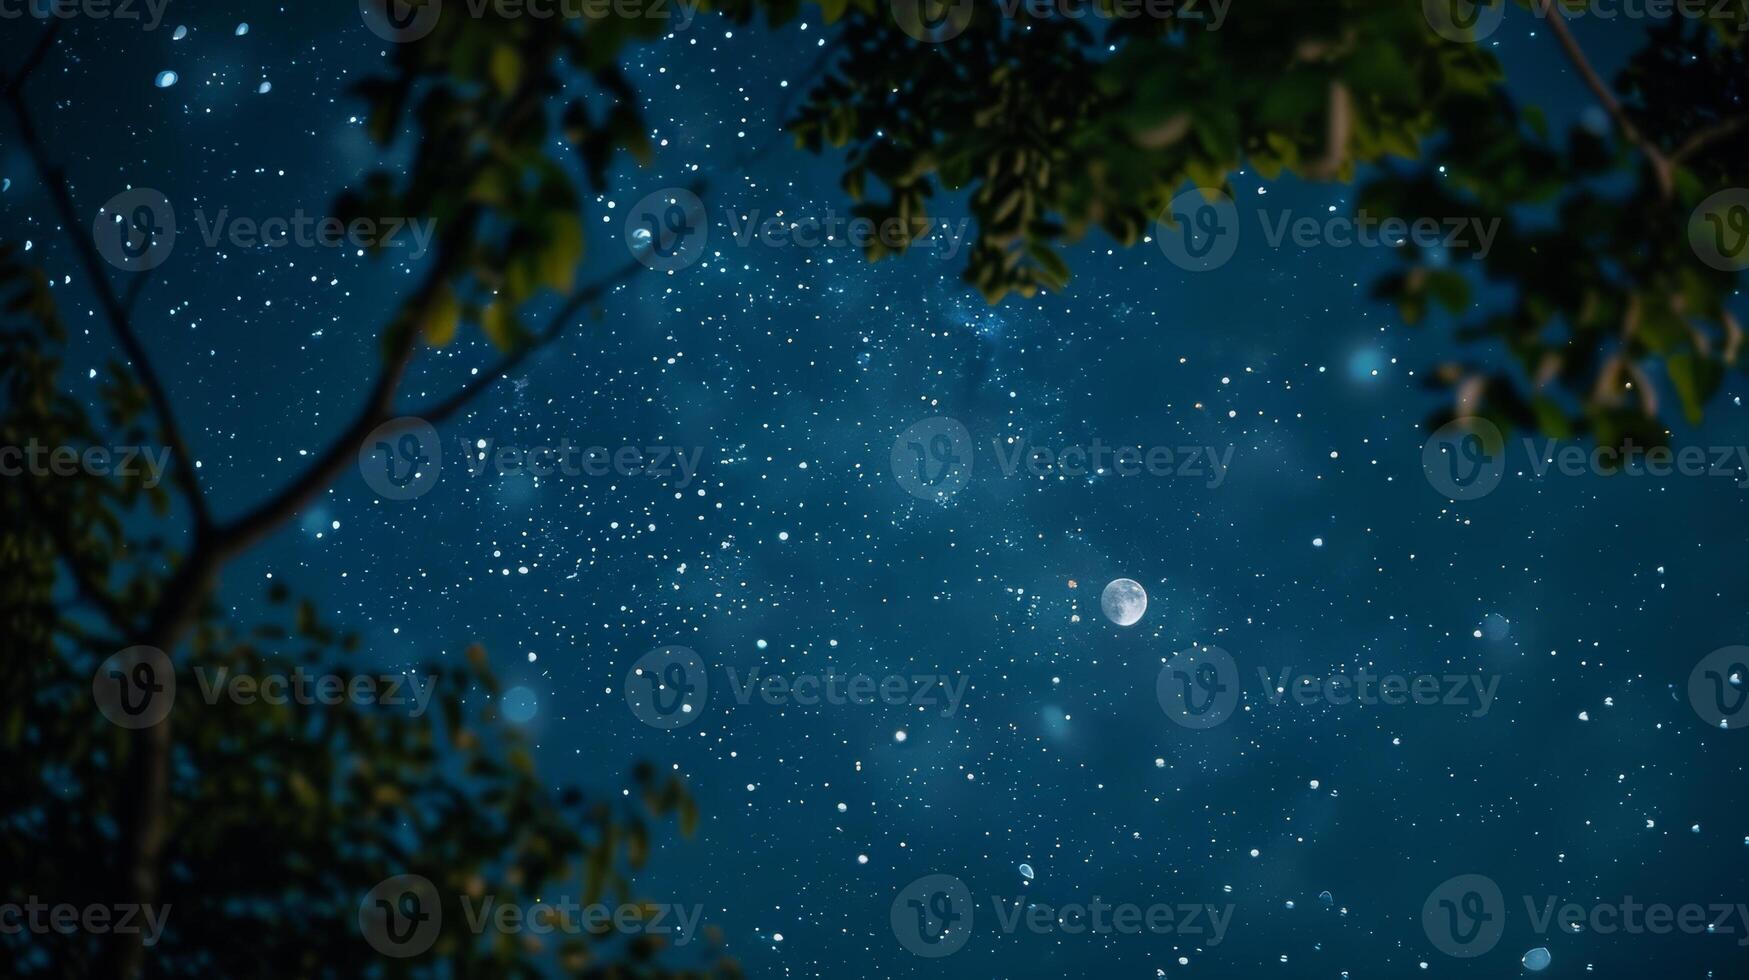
<point x="1124" y="601"/>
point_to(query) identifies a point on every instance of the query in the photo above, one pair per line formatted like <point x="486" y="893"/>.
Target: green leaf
<point x="1695" y="380"/>
<point x="498" y="322"/>
<point x="442" y="318"/>
<point x="506" y="68"/>
<point x="1052" y="270"/>
<point x="1450" y="289"/>
<point x="564" y="252"/>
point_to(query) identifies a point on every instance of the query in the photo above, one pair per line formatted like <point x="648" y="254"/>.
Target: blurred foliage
<point x="1054" y="127"/>
<point x="280" y="817"/>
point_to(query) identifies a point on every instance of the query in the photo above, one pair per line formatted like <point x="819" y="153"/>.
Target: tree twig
<point x="115" y="311"/>
<point x="565" y="317"/>
<point x="35" y="58"/>
<point x="237" y="535"/>
<point x="562" y="320"/>
<point x="1661" y="167"/>
<point x="1701" y="139"/>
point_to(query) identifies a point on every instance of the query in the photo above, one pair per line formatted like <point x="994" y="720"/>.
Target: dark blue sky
<point x="792" y="370"/>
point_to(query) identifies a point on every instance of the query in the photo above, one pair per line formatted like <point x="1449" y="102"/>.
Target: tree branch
<point x="1724" y="129"/>
<point x="115" y="311"/>
<point x="562" y="320"/>
<point x="35" y="58"/>
<point x="237" y="535"/>
<point x="1661" y="167"/>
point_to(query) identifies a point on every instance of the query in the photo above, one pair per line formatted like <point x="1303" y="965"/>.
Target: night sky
<point x="795" y="550"/>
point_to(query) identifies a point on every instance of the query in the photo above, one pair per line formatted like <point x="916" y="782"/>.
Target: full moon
<point x="1124" y="601"/>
